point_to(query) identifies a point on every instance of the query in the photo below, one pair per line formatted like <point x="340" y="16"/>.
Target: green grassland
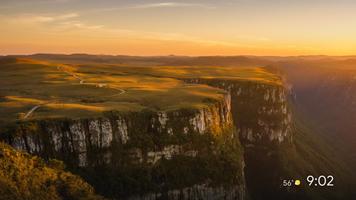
<point x="57" y="88"/>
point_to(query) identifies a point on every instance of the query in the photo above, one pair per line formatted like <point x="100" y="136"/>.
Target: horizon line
<point x="177" y="55"/>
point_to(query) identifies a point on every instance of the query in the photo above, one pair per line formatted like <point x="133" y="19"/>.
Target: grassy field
<point x="76" y="90"/>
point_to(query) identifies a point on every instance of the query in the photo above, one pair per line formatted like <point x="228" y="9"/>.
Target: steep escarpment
<point x="263" y="120"/>
<point x="260" y="111"/>
<point x="277" y="146"/>
<point x="147" y="154"/>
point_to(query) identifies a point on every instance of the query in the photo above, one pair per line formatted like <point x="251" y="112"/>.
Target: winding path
<point x="60" y="68"/>
<point x="99" y="85"/>
<point x="82" y="82"/>
<point x="31" y="111"/>
<point x="28" y="114"/>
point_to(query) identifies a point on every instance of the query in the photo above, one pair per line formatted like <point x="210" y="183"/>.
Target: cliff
<point x="263" y="120"/>
<point x="260" y="111"/>
<point x="199" y="142"/>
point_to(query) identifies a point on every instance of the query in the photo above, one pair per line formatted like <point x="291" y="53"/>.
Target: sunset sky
<point x="181" y="27"/>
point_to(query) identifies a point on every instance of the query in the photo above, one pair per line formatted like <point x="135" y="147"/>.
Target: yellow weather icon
<point x="297" y="182"/>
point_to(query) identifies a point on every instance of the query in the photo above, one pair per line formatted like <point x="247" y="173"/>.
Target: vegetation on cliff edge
<point x="23" y="176"/>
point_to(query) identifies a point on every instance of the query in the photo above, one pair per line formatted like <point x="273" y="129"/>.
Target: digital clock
<point x="321" y="181"/>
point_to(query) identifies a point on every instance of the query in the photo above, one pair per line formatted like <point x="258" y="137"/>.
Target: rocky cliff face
<point x="147" y="142"/>
<point x="73" y="140"/>
<point x="263" y="120"/>
<point x="260" y="111"/>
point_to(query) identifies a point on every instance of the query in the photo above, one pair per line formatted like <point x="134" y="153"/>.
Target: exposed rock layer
<point x="260" y="111"/>
<point x="149" y="140"/>
<point x="263" y="119"/>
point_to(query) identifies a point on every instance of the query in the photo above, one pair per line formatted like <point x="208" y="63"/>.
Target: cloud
<point x="31" y="18"/>
<point x="78" y="25"/>
<point x="35" y="19"/>
<point x="151" y="6"/>
<point x="169" y="5"/>
<point x="59" y="22"/>
<point x="67" y="16"/>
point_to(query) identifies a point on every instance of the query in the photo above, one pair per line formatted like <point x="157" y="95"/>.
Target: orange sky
<point x="150" y="27"/>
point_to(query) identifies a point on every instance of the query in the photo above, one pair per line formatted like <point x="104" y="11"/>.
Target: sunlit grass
<point x="57" y="88"/>
<point x="24" y="100"/>
<point x="71" y="106"/>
